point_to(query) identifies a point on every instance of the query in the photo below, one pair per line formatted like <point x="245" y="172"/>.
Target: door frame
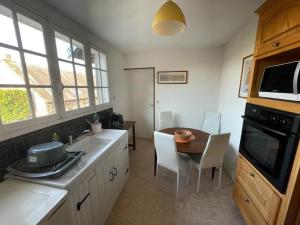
<point x="153" y="74"/>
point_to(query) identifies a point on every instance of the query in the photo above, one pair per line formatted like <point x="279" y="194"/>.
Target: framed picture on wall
<point x="172" y="77"/>
<point x="245" y="76"/>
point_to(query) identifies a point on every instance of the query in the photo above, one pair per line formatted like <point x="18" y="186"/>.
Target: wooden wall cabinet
<point x="279" y="26"/>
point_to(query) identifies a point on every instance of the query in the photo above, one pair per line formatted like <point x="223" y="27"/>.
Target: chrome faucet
<point x="83" y="134"/>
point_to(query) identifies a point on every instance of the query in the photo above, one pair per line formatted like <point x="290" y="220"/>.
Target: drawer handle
<point x="116" y="171"/>
<point x="251" y="174"/>
<point x="112" y="176"/>
<point x="81" y="202"/>
<point x="276" y="44"/>
<point x="246" y="200"/>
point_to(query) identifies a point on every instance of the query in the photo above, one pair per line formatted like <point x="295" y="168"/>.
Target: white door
<point x="141" y="101"/>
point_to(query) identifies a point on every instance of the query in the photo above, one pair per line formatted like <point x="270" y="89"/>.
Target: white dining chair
<point x="212" y="122"/>
<point x="166" y="120"/>
<point x="167" y="156"/>
<point x="212" y="156"/>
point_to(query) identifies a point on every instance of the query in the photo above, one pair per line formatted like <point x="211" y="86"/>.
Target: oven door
<point x="269" y="150"/>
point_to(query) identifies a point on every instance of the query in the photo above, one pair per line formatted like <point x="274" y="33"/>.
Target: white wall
<point x="232" y="107"/>
<point x="189" y="101"/>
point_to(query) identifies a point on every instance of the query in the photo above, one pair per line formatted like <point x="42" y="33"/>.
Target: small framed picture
<point x="172" y="77"/>
<point x="245" y="76"/>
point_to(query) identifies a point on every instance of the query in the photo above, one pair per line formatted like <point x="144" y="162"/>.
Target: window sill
<point x="17" y="129"/>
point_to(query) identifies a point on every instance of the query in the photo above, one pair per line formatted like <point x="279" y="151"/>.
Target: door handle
<point x="151" y="105"/>
<point x="81" y="202"/>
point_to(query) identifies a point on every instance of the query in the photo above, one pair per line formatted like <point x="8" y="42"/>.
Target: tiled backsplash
<point x="14" y="149"/>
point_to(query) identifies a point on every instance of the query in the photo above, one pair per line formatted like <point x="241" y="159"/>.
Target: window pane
<point x="70" y="99"/>
<point x="105" y="95"/>
<point x="95" y="58"/>
<point x="14" y="105"/>
<point x="31" y="34"/>
<point x="43" y="101"/>
<point x="37" y="69"/>
<point x="98" y="96"/>
<point x="66" y="73"/>
<point x="8" y="34"/>
<point x="104" y="79"/>
<point x="103" y="61"/>
<point x="96" y="78"/>
<point x="78" y="52"/>
<point x="10" y="67"/>
<point x="80" y="75"/>
<point x="63" y="46"/>
<point x="83" y="97"/>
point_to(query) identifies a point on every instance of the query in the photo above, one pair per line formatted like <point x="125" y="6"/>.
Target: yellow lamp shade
<point x="168" y="20"/>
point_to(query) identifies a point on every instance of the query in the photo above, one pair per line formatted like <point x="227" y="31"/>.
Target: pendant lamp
<point x="168" y="20"/>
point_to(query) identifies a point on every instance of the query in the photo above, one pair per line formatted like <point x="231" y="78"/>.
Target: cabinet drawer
<point x="265" y="199"/>
<point x="288" y="38"/>
<point x="248" y="209"/>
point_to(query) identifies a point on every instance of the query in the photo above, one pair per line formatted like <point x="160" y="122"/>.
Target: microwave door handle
<point x="264" y="127"/>
<point x="296" y="77"/>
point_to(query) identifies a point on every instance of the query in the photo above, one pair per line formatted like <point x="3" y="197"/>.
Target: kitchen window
<point x="72" y="67"/>
<point x="45" y="74"/>
<point x="26" y="90"/>
<point x="100" y="77"/>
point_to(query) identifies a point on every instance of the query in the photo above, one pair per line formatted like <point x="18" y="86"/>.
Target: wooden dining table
<point x="196" y="146"/>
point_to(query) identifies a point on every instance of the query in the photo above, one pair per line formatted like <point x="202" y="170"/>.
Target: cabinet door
<point x="82" y="204"/>
<point x="95" y="200"/>
<point x="85" y="204"/>
<point x="279" y="25"/>
<point x="101" y="193"/>
<point x="108" y="184"/>
<point x="124" y="161"/>
<point x="60" y="216"/>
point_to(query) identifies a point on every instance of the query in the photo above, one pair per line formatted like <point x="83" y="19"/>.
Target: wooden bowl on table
<point x="183" y="134"/>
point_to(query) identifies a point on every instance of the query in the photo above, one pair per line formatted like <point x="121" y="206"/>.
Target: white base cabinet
<point x="94" y="198"/>
<point x="60" y="216"/>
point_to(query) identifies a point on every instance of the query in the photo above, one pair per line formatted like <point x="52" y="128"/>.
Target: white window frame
<point x="34" y="120"/>
<point x="103" y="105"/>
<point x="64" y="113"/>
<point x="22" y="127"/>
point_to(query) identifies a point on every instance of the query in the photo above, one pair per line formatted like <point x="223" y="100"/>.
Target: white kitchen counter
<point x="23" y="203"/>
<point x="95" y="147"/>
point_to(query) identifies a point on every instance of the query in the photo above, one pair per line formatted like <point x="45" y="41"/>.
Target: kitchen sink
<point x="89" y="144"/>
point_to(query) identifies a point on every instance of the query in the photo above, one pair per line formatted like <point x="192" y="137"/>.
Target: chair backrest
<point x="212" y="123"/>
<point x="215" y="150"/>
<point x="165" y="120"/>
<point x="166" y="151"/>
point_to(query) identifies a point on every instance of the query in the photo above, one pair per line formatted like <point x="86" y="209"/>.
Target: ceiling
<point x="126" y="24"/>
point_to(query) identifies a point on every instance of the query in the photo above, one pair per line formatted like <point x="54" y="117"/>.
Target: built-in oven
<point x="269" y="141"/>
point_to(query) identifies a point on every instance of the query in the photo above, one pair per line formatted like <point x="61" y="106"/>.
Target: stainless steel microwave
<point x="281" y="82"/>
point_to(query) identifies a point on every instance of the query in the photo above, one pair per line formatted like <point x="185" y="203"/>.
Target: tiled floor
<point x="146" y="200"/>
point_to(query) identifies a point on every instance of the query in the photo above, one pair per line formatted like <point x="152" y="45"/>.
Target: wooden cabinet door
<point x="247" y="207"/>
<point x="279" y="25"/>
<point x="265" y="199"/>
